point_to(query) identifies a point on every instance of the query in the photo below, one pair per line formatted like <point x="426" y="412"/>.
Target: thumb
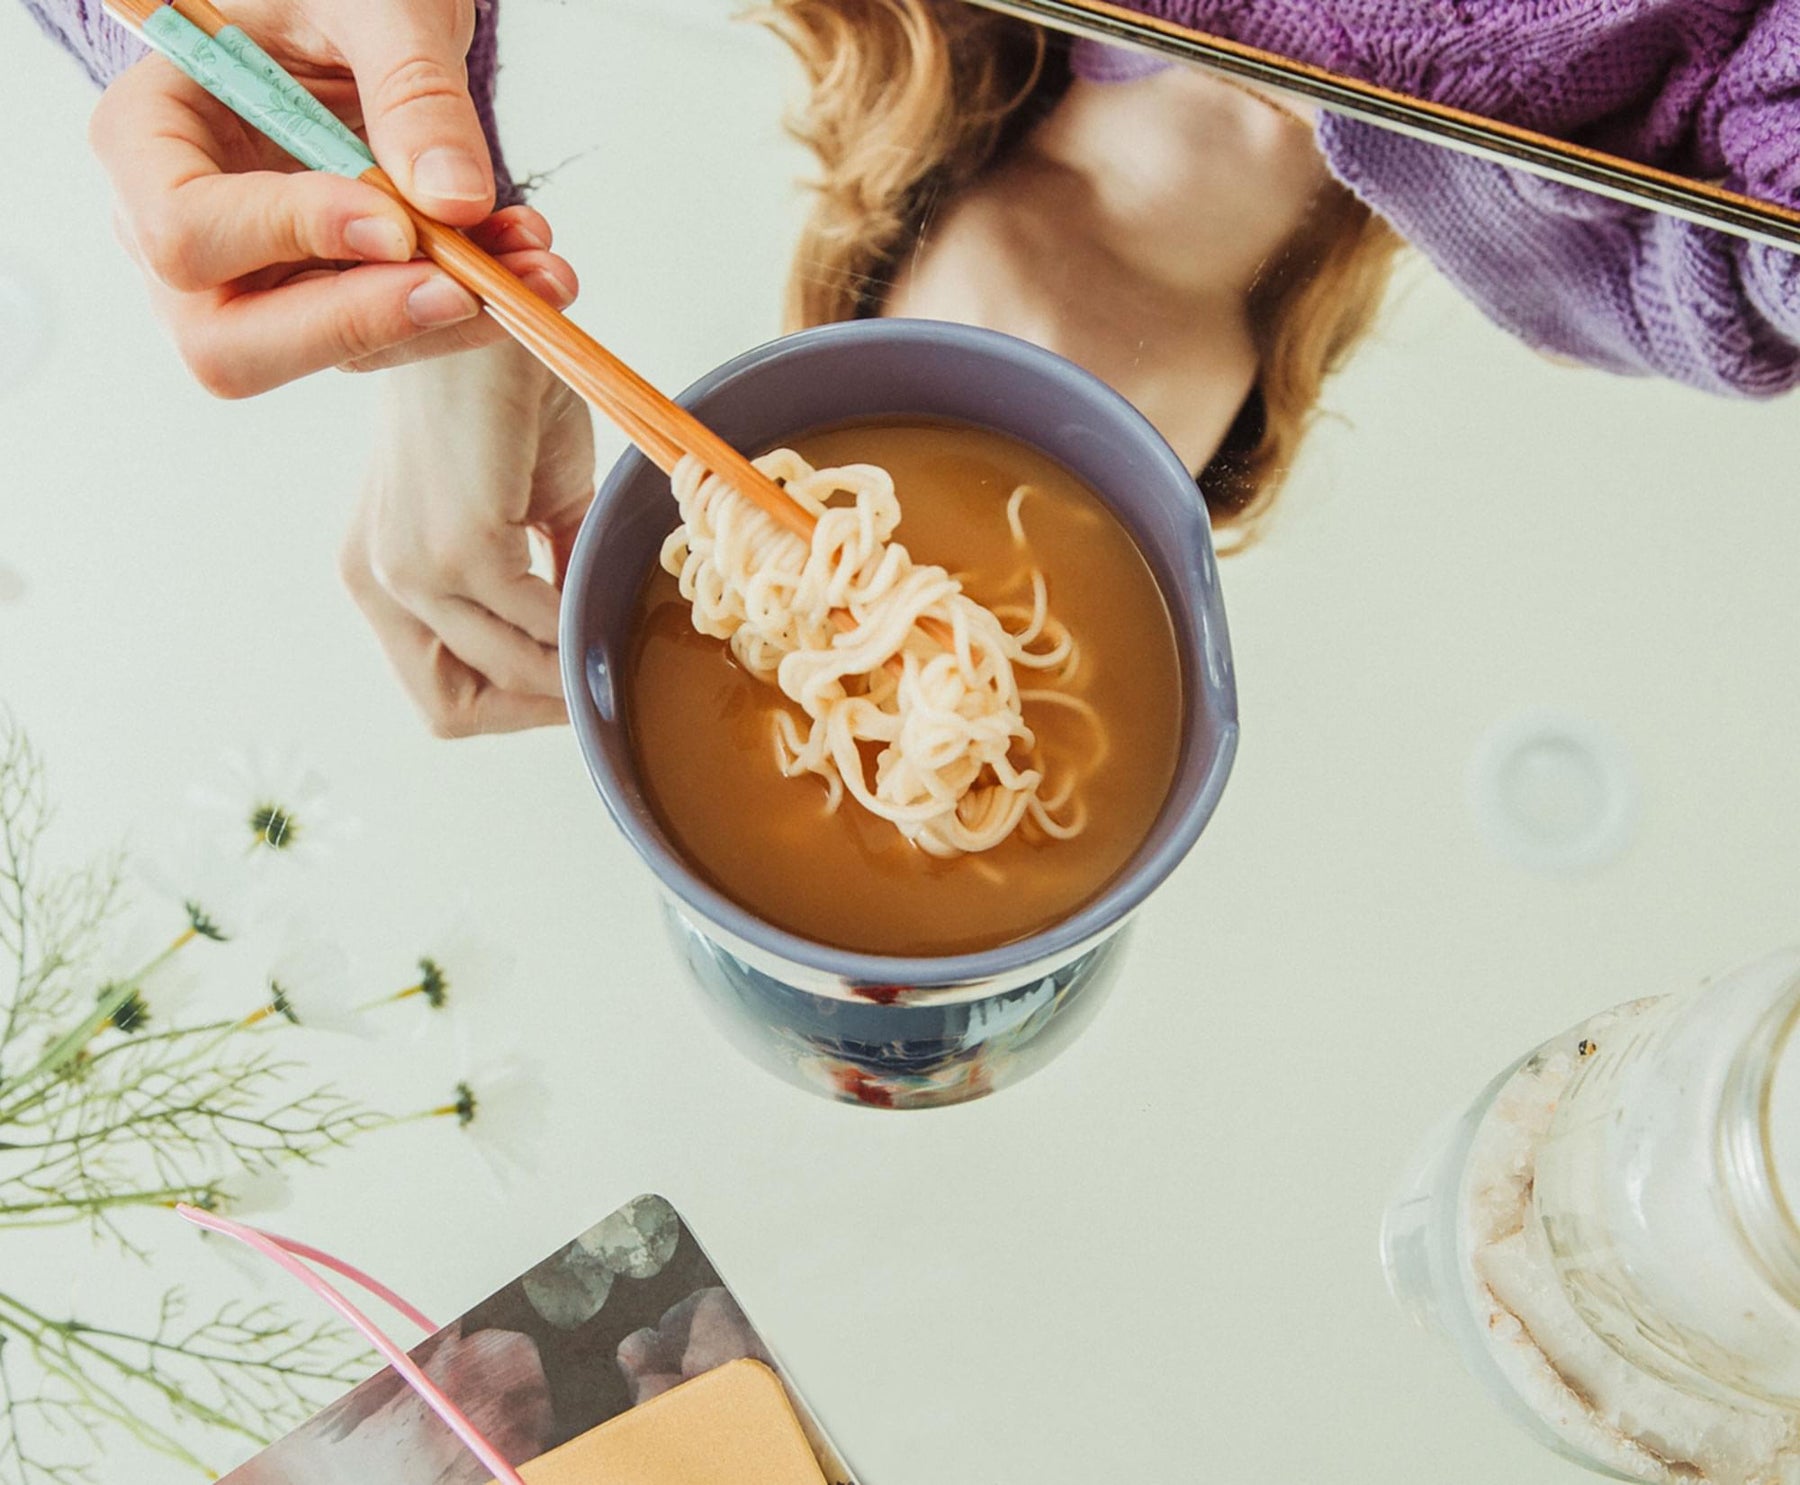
<point x="410" y="63"/>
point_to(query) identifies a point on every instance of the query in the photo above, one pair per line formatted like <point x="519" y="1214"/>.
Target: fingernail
<point x="450" y="175"/>
<point x="377" y="240"/>
<point x="439" y="301"/>
<point x="525" y="235"/>
<point x="549" y="288"/>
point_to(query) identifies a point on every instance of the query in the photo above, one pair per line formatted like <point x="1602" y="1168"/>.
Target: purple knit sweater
<point x="106" y="49"/>
<point x="1709" y="88"/>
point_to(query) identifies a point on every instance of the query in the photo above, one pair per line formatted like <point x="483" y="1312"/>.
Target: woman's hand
<point x="479" y="455"/>
<point x="265" y="272"/>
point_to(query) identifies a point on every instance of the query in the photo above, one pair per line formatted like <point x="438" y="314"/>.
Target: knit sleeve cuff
<point x="105" y="49"/>
<point x="84" y="30"/>
<point x="484" y="73"/>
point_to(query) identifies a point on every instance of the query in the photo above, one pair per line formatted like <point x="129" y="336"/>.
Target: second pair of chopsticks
<point x="228" y="63"/>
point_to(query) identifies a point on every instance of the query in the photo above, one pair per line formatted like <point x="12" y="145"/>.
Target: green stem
<point x="55" y="1343"/>
<point x="380" y="1000"/>
<point x="45" y="1224"/>
<point x="14" y="877"/>
<point x="108" y="1406"/>
<point x="274" y="1368"/>
<point x="219" y="1030"/>
<point x="9" y="1410"/>
<point x="335" y="1131"/>
<point x="68" y="1337"/>
<point x="445" y="1111"/>
<point x="68" y="1047"/>
<point x="87" y="1206"/>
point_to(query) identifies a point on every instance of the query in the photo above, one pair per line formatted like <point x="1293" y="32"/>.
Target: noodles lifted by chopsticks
<point x="947" y="720"/>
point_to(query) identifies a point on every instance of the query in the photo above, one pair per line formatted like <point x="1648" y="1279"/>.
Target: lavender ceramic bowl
<point x="906" y="1032"/>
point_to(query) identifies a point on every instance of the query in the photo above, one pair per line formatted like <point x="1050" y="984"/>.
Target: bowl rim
<point x="1108" y="909"/>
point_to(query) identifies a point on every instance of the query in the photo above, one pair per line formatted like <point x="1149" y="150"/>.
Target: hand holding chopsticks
<point x="264" y="273"/>
<point x="225" y="61"/>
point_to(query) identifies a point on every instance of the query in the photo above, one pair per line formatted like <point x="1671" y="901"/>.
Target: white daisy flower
<point x="235" y="1201"/>
<point x="309" y="986"/>
<point x="269" y="807"/>
<point x="152" y="1004"/>
<point x="501" y="1105"/>
<point x="148" y="967"/>
<point x="219" y="899"/>
<point x="249" y="1193"/>
<point x="457" y="966"/>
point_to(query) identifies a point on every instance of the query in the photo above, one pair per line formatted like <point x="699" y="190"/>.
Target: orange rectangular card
<point x="729" y="1426"/>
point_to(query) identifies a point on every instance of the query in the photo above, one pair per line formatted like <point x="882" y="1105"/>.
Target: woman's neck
<point x="1126" y="233"/>
<point x="1195" y="180"/>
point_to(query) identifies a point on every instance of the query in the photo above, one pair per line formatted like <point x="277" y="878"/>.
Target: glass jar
<point x="1661" y="1194"/>
<point x="1608" y="1235"/>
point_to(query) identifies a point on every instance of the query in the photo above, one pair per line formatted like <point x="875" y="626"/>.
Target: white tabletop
<point x="1156" y="1259"/>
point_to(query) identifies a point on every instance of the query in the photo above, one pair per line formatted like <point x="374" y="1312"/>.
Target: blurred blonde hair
<point x="911" y="99"/>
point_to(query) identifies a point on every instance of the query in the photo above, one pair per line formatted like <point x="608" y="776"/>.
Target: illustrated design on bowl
<point x="892" y="1030"/>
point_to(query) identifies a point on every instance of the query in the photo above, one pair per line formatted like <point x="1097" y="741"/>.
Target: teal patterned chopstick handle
<point x="243" y="47"/>
<point x="248" y="81"/>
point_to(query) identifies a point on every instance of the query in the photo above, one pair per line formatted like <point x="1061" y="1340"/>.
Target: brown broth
<point x="700" y="725"/>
